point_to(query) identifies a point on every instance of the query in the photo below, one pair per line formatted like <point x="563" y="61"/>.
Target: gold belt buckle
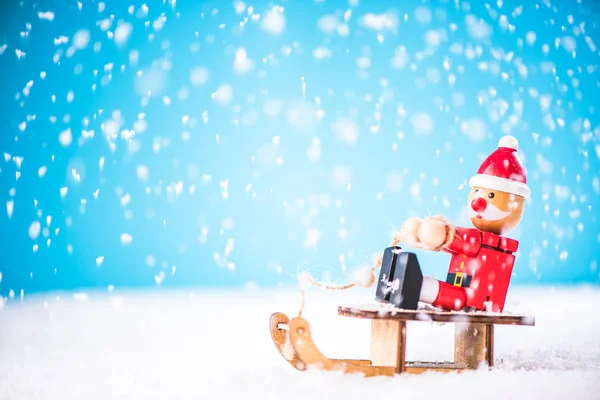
<point x="458" y="279"/>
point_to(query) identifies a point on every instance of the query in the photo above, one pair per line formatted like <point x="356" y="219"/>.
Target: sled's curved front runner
<point x="289" y="345"/>
<point x="279" y="327"/>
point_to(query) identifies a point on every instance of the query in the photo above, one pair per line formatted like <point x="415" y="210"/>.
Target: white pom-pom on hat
<point x="509" y="142"/>
<point x="365" y="277"/>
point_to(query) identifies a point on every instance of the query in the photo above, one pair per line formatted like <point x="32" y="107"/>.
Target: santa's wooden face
<point x="494" y="211"/>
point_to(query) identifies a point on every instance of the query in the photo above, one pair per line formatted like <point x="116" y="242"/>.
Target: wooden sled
<point x="473" y="340"/>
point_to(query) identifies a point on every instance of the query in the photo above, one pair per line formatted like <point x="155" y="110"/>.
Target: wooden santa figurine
<point x="482" y="258"/>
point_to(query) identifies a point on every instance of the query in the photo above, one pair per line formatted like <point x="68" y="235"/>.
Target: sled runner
<point x="473" y="340"/>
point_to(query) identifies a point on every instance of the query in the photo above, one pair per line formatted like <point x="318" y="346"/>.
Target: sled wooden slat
<point x="474" y="344"/>
<point x="435" y="316"/>
<point x="353" y="362"/>
<point x="384" y="333"/>
<point x="421" y="367"/>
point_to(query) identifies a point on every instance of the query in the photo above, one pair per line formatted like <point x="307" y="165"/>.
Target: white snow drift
<point x="214" y="344"/>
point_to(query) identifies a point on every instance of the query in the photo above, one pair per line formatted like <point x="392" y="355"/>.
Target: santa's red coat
<point x="482" y="265"/>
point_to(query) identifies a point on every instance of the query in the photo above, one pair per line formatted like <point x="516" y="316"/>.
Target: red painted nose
<point x="479" y="204"/>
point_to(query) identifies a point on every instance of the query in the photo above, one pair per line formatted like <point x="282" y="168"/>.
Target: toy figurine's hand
<point x="410" y="229"/>
<point x="432" y="233"/>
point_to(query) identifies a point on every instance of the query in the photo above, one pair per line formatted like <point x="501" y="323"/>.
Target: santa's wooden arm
<point x="466" y="241"/>
<point x="435" y="234"/>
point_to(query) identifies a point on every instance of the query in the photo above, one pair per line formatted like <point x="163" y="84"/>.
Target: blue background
<point x="463" y="62"/>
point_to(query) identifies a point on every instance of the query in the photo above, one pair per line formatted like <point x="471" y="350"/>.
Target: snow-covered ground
<point x="198" y="344"/>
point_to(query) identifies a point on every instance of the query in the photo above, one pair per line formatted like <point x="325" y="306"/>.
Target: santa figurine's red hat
<point x="503" y="170"/>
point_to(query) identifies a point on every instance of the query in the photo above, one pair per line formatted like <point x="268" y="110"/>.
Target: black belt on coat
<point x="459" y="279"/>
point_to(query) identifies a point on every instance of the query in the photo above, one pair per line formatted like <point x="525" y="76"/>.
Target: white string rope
<point x="366" y="277"/>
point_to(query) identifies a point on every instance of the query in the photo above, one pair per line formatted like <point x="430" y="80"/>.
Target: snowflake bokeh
<point x="222" y="143"/>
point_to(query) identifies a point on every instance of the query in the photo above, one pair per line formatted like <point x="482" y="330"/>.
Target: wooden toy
<point x="482" y="260"/>
<point x="472" y="296"/>
<point x="473" y="340"/>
